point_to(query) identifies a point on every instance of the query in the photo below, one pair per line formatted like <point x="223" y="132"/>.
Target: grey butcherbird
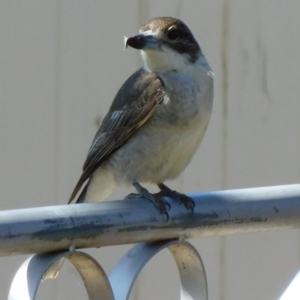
<point x="157" y="119"/>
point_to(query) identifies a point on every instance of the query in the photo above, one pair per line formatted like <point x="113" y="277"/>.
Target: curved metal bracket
<point x="27" y="280"/>
<point x="118" y="287"/>
<point x="189" y="264"/>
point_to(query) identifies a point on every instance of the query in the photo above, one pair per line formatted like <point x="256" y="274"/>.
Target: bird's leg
<point x="161" y="204"/>
<point x="187" y="201"/>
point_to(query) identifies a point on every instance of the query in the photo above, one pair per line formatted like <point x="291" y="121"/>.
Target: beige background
<point x="61" y="63"/>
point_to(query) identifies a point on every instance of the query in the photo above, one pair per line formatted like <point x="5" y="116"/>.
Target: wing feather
<point x="131" y="108"/>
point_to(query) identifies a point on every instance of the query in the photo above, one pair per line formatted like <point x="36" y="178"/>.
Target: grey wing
<point x="131" y="108"/>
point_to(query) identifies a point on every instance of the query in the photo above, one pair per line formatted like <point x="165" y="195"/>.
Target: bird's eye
<point x="173" y="34"/>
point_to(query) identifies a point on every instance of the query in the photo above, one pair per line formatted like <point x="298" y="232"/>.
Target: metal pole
<point x="45" y="229"/>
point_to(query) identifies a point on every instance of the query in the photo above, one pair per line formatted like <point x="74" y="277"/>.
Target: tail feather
<point x="82" y="195"/>
<point x="77" y="189"/>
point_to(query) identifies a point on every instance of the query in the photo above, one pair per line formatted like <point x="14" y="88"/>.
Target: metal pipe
<point x="51" y="228"/>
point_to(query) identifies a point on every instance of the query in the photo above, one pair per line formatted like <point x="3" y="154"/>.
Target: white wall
<point x="61" y="63"/>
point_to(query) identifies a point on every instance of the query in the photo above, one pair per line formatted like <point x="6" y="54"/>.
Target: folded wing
<point x="131" y="108"/>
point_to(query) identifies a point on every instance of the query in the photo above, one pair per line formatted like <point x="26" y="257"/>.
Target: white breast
<point x="162" y="148"/>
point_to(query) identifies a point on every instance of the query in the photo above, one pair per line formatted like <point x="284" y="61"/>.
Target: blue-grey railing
<point x="68" y="227"/>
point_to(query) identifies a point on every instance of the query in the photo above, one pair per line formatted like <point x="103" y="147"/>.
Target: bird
<point x="156" y="121"/>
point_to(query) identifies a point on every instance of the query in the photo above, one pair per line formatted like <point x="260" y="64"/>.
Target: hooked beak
<point x="141" y="41"/>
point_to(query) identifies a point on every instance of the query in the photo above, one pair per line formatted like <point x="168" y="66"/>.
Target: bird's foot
<point x="187" y="201"/>
<point x="161" y="204"/>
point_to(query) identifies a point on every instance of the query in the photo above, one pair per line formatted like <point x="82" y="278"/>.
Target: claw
<point x="187" y="201"/>
<point x="161" y="204"/>
<point x="167" y="215"/>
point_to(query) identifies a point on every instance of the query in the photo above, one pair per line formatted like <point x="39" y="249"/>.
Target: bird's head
<point x="166" y="44"/>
